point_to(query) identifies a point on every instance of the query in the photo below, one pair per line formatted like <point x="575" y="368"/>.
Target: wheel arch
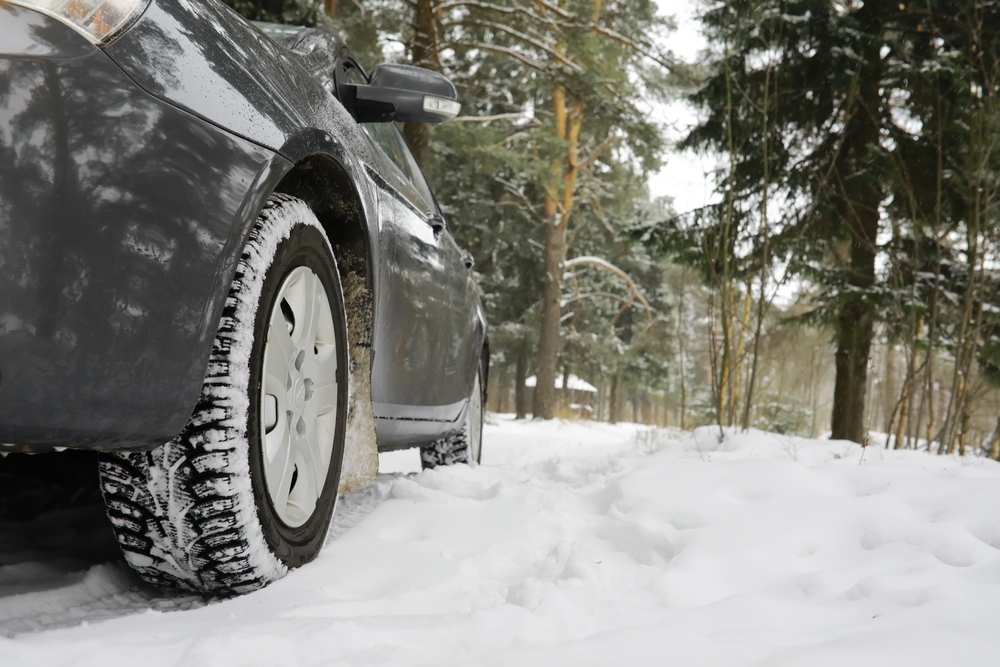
<point x="322" y="182"/>
<point x="325" y="184"/>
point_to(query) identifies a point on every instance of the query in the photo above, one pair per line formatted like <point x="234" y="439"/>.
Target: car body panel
<point x="109" y="299"/>
<point x="167" y="143"/>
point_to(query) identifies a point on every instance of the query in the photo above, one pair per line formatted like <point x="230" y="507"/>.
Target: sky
<point x="683" y="175"/>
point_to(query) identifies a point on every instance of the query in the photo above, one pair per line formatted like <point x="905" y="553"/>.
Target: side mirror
<point x="402" y="93"/>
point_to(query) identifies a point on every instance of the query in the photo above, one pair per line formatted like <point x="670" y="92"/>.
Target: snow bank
<point x="590" y="544"/>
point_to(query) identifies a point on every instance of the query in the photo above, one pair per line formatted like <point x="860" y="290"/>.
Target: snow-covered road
<point x="571" y="545"/>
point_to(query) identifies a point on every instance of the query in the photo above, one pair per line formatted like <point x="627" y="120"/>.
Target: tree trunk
<point x="888" y="392"/>
<point x="853" y="347"/>
<point x="680" y="345"/>
<point x="613" y="402"/>
<point x="904" y="428"/>
<point x="418" y="138"/>
<point x="548" y="338"/>
<point x="901" y="425"/>
<point x="330" y="8"/>
<point x="994" y="445"/>
<point x="930" y="395"/>
<point x="423" y="53"/>
<point x="911" y="428"/>
<point x="737" y="378"/>
<point x="560" y="194"/>
<point x="501" y="384"/>
<point x="566" y="396"/>
<point x="859" y="197"/>
<point x="520" y="396"/>
<point x="964" y="433"/>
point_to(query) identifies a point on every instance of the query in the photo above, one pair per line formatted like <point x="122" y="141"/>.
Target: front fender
<point x="120" y="217"/>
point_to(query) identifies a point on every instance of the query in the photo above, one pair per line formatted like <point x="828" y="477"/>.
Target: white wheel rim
<point x="298" y="410"/>
<point x="475" y="420"/>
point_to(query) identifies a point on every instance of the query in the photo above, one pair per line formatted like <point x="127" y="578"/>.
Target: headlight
<point x="98" y="20"/>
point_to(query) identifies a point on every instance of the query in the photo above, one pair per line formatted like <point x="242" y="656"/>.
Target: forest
<point x="844" y="279"/>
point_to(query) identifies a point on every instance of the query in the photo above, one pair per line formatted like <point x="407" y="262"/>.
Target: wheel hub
<point x="298" y="396"/>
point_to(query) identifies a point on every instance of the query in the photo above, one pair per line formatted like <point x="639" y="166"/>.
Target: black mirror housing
<point x="404" y="94"/>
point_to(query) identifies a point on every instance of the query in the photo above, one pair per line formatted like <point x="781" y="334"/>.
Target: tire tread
<point x="180" y="512"/>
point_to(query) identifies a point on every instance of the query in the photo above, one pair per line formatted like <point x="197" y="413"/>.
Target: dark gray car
<point x="221" y="267"/>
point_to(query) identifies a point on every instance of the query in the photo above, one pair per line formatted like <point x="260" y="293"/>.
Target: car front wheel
<point x="248" y="489"/>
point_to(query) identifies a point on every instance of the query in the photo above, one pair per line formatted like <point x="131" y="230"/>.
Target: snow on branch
<point x="625" y="41"/>
<point x="527" y="39"/>
<point x="527" y="60"/>
<point x="500" y="116"/>
<point x="559" y="11"/>
<point x="488" y="6"/>
<point x="596" y="153"/>
<point x="608" y="266"/>
<point x="568" y="22"/>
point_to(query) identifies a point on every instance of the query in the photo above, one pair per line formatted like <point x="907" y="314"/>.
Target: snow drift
<point x="587" y="544"/>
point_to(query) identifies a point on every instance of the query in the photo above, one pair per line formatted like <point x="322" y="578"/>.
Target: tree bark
<point x="858" y="199"/>
<point x="994" y="445"/>
<point x="501" y="390"/>
<point x="737" y="376"/>
<point x="853" y="347"/>
<point x="613" y="402"/>
<point x="903" y="429"/>
<point x="888" y="392"/>
<point x="930" y="404"/>
<point x="520" y="396"/>
<point x="559" y="198"/>
<point x="964" y="432"/>
<point x="912" y="436"/>
<point x="423" y="53"/>
<point x="566" y="396"/>
<point x="680" y="347"/>
<point x="549" y="339"/>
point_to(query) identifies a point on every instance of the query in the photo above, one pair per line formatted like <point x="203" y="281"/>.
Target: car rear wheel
<point x="248" y="489"/>
<point x="466" y="445"/>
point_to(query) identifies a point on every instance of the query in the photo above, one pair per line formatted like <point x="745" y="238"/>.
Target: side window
<point x="387" y="137"/>
<point x="351" y="73"/>
<point x="416" y="176"/>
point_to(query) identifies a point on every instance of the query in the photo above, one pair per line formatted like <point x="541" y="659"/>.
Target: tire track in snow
<point x="63" y="568"/>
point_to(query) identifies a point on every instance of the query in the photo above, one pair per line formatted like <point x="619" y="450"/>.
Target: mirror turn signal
<point x="402" y="94"/>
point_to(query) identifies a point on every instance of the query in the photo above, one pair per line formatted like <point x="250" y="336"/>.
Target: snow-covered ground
<point x="573" y="545"/>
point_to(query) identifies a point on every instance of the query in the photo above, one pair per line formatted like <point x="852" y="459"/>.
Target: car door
<point x="415" y="388"/>
<point x="462" y="299"/>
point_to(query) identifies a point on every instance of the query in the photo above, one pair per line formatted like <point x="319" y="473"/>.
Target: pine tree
<point x="798" y="101"/>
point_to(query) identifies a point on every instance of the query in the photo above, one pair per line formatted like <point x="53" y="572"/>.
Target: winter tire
<point x="248" y="489"/>
<point x="467" y="444"/>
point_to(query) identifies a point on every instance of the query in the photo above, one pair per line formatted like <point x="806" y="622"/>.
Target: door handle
<point x="437" y="224"/>
<point x="468" y="260"/>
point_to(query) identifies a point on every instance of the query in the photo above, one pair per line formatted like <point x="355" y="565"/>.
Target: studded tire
<point x="466" y="445"/>
<point x="196" y="513"/>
